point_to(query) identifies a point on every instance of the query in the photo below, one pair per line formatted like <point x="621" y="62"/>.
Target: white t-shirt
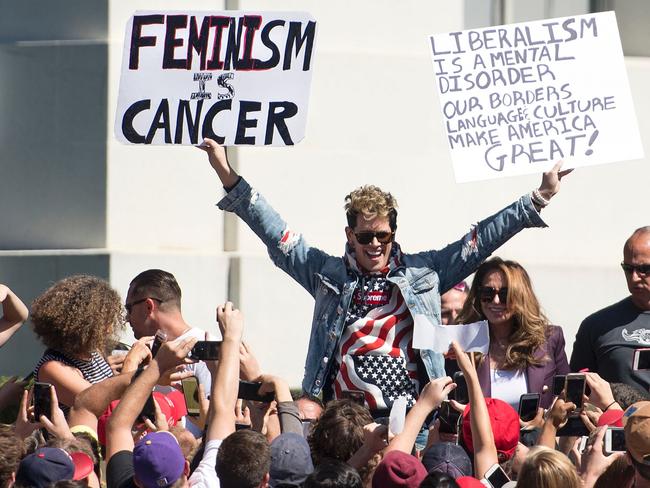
<point x="508" y="385"/>
<point x="205" y="475"/>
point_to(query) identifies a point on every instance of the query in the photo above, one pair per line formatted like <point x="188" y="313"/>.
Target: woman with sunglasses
<point x="525" y="350"/>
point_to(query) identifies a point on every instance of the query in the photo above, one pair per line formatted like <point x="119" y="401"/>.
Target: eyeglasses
<point x="487" y="294"/>
<point x="129" y="306"/>
<point x="641" y="269"/>
<point x="366" y="237"/>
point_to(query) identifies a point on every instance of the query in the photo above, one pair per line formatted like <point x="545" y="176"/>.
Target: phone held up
<point x="528" y="406"/>
<point x="496" y="476"/>
<point x="205" y="351"/>
<point x="574" y="389"/>
<point x="191" y="394"/>
<point x="614" y="440"/>
<point x="248" y="390"/>
<point x="42" y="400"/>
<point x="157" y="342"/>
<point x="641" y="359"/>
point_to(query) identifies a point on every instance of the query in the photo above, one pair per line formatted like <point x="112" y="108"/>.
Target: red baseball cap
<point x="505" y="427"/>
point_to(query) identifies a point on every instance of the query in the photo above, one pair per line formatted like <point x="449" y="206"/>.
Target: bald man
<point x="606" y="340"/>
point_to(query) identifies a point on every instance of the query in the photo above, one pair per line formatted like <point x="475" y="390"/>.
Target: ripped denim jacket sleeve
<point x="288" y="249"/>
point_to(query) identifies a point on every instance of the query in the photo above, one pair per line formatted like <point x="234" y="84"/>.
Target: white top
<point x="205" y="475"/>
<point x="508" y="385"/>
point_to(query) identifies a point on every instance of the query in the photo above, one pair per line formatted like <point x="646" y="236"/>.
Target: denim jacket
<point x="421" y="277"/>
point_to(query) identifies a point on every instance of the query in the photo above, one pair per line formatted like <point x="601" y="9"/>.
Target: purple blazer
<point x="537" y="376"/>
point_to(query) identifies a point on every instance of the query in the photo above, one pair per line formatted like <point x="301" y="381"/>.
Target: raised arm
<point x="118" y="429"/>
<point x="225" y="383"/>
<point x="287" y="248"/>
<point x="91" y="403"/>
<point x="14" y="313"/>
<point x="431" y="397"/>
<point x="485" y="452"/>
<point x="219" y="162"/>
<point x="461" y="258"/>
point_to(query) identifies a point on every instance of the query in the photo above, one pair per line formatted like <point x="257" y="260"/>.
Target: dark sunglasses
<point x="487" y="294"/>
<point x="366" y="237"/>
<point x="129" y="306"/>
<point x="641" y="269"/>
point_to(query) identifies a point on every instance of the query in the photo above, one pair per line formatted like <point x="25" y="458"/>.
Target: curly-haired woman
<point x="75" y="319"/>
<point x="525" y="351"/>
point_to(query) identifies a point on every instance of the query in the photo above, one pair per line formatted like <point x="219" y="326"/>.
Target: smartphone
<point x="191" y="394"/>
<point x="248" y="391"/>
<point x="42" y="399"/>
<point x="148" y="411"/>
<point x="574" y="427"/>
<point x="157" y="342"/>
<point x="583" y="443"/>
<point x="205" y="350"/>
<point x="558" y="384"/>
<point x="574" y="388"/>
<point x="355" y="396"/>
<point x="449" y="418"/>
<point x="120" y="346"/>
<point x="460" y="393"/>
<point x="614" y="440"/>
<point x="641" y="359"/>
<point x="496" y="476"/>
<point x="528" y="405"/>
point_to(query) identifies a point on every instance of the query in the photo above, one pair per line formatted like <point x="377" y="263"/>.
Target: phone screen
<point x="248" y="390"/>
<point x="558" y="384"/>
<point x="191" y="393"/>
<point x="42" y="398"/>
<point x="642" y="359"/>
<point x="617" y="440"/>
<point x="575" y="388"/>
<point x="205" y="350"/>
<point x="528" y="405"/>
<point x="497" y="478"/>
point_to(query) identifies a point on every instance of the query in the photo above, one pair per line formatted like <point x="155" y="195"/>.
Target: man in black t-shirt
<point x="606" y="340"/>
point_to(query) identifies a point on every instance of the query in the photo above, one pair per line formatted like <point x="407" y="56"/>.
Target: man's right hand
<point x="231" y="322"/>
<point x="219" y="161"/>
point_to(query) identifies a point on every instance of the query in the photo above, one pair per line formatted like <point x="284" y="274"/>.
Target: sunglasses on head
<point x="641" y="269"/>
<point x="487" y="294"/>
<point x="366" y="237"/>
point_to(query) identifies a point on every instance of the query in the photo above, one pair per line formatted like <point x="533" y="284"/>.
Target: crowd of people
<point x="373" y="411"/>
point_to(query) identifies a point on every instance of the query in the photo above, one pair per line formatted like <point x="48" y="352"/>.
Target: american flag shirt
<point x="375" y="354"/>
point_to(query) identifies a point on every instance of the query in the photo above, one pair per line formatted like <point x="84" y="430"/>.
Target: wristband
<point x="607" y="407"/>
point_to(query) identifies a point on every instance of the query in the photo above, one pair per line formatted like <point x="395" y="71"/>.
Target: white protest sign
<point x="516" y="98"/>
<point x="240" y="78"/>
<point x="397" y="417"/>
<point x="474" y="337"/>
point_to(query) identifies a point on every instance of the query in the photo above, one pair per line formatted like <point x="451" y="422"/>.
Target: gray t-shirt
<point x="606" y="341"/>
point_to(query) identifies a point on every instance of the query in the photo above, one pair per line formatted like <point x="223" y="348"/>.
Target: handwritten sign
<point x="517" y="98"/>
<point x="240" y="78"/>
<point x="474" y="337"/>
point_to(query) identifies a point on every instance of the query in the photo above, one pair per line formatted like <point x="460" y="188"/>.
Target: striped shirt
<point x="93" y="370"/>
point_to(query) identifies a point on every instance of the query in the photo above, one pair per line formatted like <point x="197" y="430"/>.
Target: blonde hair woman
<point x="546" y="468"/>
<point x="525" y="351"/>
